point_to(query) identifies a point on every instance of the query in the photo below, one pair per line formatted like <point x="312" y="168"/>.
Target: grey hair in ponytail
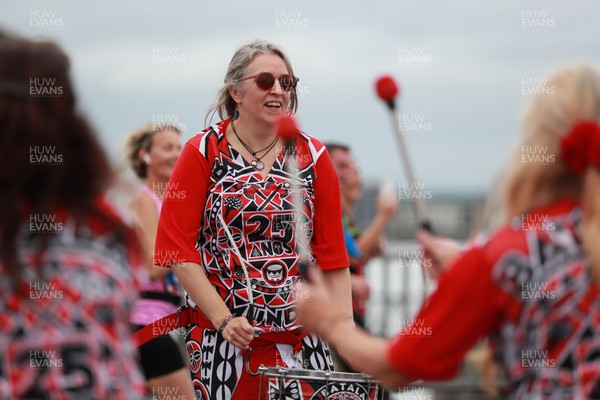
<point x="225" y="105"/>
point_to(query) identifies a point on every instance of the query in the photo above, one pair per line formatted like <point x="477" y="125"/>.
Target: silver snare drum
<point x="300" y="384"/>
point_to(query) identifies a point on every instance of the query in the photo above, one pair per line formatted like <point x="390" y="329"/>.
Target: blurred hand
<point x="387" y="204"/>
<point x="490" y="372"/>
<point x="438" y="252"/>
<point x="360" y="288"/>
<point x="239" y="332"/>
<point x="381" y="247"/>
<point x="314" y="305"/>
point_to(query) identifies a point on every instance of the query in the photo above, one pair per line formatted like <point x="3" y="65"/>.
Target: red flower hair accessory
<point x="580" y="148"/>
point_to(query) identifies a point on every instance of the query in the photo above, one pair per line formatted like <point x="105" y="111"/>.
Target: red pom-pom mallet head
<point x="287" y="128"/>
<point x="387" y="90"/>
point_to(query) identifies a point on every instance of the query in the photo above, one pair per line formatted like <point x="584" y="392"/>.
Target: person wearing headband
<point x="531" y="285"/>
<point x="232" y="233"/>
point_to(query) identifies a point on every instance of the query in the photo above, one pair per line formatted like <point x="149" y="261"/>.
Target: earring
<point x="236" y="114"/>
<point x="147" y="159"/>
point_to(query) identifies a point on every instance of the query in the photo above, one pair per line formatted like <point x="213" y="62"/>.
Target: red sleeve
<point x="182" y="208"/>
<point x="466" y="305"/>
<point x="328" y="234"/>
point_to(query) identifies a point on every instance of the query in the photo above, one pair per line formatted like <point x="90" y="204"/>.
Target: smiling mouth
<point x="274" y="105"/>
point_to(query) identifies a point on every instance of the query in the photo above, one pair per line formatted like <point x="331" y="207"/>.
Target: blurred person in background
<point x="238" y="218"/>
<point x="151" y="152"/>
<point x="70" y="269"/>
<point x="360" y="245"/>
<point x="531" y="285"/>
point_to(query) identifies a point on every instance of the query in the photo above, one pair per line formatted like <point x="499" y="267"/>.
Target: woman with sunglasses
<point x="228" y="228"/>
<point x="531" y="285"/>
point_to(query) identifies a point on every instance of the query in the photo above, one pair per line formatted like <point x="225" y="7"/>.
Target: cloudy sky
<point x="465" y="68"/>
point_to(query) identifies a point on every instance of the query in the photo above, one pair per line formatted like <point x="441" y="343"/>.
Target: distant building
<point x="454" y="215"/>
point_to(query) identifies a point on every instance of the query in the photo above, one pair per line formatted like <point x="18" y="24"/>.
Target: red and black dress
<point x="64" y="332"/>
<point x="529" y="287"/>
<point x="212" y="180"/>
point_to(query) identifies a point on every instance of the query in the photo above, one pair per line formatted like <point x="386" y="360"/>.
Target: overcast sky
<point x="463" y="67"/>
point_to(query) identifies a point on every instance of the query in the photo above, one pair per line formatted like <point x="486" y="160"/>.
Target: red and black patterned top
<point x="67" y="334"/>
<point x="529" y="285"/>
<point x="212" y="178"/>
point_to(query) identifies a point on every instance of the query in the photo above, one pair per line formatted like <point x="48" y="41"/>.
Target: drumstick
<point x="236" y="251"/>
<point x="387" y="91"/>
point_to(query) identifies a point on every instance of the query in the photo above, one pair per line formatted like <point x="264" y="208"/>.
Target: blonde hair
<point x="225" y="105"/>
<point x="142" y="139"/>
<point x="569" y="96"/>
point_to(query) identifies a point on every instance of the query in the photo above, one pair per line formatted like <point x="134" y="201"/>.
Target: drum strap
<point x="186" y="316"/>
<point x="292" y="338"/>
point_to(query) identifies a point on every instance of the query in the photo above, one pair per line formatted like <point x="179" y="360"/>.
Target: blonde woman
<point x="151" y="152"/>
<point x="531" y="285"/>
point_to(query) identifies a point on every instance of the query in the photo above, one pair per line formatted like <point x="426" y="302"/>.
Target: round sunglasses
<point x="266" y="80"/>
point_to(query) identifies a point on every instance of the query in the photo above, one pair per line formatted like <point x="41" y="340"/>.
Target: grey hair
<point x="225" y="105"/>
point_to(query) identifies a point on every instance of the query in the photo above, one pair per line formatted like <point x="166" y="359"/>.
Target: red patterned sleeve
<point x="182" y="208"/>
<point x="466" y="305"/>
<point x="328" y="234"/>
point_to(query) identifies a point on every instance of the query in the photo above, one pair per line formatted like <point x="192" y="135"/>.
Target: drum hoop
<point x="330" y="376"/>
